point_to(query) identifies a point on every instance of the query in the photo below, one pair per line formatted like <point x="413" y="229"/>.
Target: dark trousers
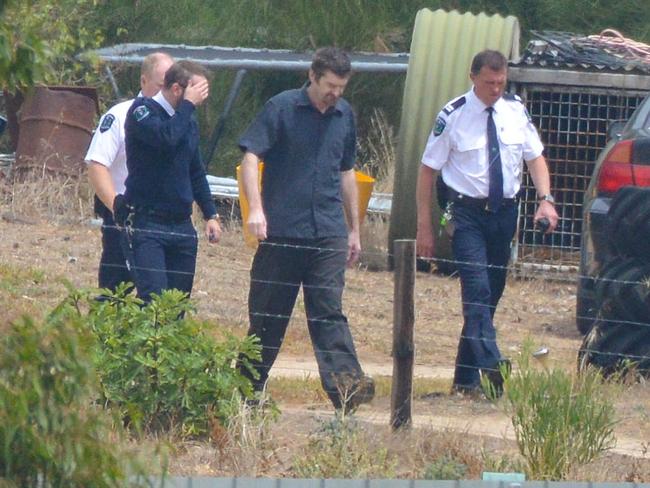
<point x="162" y="255"/>
<point x="279" y="268"/>
<point x="481" y="246"/>
<point x="112" y="264"/>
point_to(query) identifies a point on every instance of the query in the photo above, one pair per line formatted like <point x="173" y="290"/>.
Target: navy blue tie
<point x="495" y="195"/>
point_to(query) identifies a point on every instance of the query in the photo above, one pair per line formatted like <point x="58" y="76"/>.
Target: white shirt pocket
<point x="471" y="154"/>
<point x="512" y="144"/>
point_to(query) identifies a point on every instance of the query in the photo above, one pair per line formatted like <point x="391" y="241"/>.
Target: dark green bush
<point x="160" y="368"/>
<point x="51" y="434"/>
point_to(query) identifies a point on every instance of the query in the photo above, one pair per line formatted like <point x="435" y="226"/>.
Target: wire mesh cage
<point x="572" y="122"/>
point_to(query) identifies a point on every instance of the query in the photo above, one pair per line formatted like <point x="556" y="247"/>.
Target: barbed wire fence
<point x="396" y="293"/>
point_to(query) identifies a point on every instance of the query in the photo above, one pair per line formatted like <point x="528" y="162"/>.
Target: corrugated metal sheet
<point x="333" y="483"/>
<point x="567" y="50"/>
<point x="442" y="49"/>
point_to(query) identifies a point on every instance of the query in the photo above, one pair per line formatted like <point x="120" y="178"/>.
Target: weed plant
<point x="51" y="433"/>
<point x="340" y="449"/>
<point x="159" y="367"/>
<point x="446" y="467"/>
<point x="245" y="444"/>
<point x="560" y="421"/>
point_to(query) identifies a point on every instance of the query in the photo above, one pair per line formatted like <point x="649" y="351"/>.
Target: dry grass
<point x="377" y="151"/>
<point x="36" y="195"/>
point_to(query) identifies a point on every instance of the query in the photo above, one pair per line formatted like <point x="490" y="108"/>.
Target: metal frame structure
<point x="242" y="60"/>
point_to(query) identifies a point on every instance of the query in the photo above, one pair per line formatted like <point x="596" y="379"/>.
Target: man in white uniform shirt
<point x="478" y="143"/>
<point x="106" y="160"/>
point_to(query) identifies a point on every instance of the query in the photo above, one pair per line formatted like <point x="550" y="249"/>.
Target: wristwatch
<point x="213" y="217"/>
<point x="547" y="198"/>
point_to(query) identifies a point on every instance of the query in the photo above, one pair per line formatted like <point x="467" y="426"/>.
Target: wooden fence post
<point x="403" y="320"/>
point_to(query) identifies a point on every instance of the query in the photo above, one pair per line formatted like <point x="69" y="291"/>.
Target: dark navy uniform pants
<point x="162" y="255"/>
<point x="279" y="268"/>
<point x="481" y="245"/>
<point x="112" y="264"/>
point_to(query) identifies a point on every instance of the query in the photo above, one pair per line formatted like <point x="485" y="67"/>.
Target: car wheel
<point x="620" y="338"/>
<point x="586" y="307"/>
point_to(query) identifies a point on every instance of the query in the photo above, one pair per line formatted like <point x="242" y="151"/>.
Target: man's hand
<point x="354" y="248"/>
<point x="213" y="231"/>
<point x="197" y="90"/>
<point x="121" y="210"/>
<point x="257" y="224"/>
<point x="547" y="210"/>
<point x="425" y="244"/>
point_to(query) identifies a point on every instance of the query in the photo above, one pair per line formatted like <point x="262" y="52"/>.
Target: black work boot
<point x="362" y="391"/>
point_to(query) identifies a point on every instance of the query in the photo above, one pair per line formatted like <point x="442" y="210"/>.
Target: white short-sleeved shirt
<point x="107" y="144"/>
<point x="458" y="144"/>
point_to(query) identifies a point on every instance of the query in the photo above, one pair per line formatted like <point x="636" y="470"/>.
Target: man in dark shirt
<point x="307" y="139"/>
<point x="166" y="176"/>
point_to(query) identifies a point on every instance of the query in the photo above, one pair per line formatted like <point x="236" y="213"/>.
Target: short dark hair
<point x="331" y="59"/>
<point x="182" y="71"/>
<point x="490" y="58"/>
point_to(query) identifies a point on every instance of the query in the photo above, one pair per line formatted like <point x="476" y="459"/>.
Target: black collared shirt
<point x="304" y="152"/>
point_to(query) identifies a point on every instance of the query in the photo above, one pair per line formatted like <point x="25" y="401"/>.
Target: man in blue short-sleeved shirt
<point x="306" y="220"/>
<point x="166" y="176"/>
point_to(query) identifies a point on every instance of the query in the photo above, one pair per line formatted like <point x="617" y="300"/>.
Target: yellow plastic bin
<point x="365" y="184"/>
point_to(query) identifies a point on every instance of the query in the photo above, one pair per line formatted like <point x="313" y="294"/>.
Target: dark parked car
<point x="625" y="161"/>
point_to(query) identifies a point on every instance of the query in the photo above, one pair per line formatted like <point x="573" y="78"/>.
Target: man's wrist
<point x="214" y="216"/>
<point x="547" y="197"/>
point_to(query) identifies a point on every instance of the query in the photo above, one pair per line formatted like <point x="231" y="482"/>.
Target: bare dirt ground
<point x="542" y="310"/>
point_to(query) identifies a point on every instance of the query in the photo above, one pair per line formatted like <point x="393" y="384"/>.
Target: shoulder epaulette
<point x="456" y="104"/>
<point x="512" y="97"/>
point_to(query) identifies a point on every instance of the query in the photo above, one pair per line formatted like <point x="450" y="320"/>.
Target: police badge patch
<point x="140" y="113"/>
<point x="439" y="127"/>
<point x="106" y="123"/>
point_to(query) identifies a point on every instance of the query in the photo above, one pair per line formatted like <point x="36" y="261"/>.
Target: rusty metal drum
<point x="56" y="126"/>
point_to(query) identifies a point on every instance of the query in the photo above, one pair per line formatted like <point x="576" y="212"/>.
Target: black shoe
<point x="494" y="378"/>
<point x="362" y="392"/>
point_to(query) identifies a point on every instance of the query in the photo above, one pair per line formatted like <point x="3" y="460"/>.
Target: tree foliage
<point x="51" y="432"/>
<point x="40" y="41"/>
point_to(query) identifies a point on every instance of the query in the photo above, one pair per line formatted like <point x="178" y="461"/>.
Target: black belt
<point x="160" y="216"/>
<point x="482" y="203"/>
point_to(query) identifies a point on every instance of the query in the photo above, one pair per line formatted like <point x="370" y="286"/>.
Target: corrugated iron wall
<point x="442" y="48"/>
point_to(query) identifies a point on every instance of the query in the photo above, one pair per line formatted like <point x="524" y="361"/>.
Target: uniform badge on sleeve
<point x="439" y="127"/>
<point x="107" y="121"/>
<point x="140" y="113"/>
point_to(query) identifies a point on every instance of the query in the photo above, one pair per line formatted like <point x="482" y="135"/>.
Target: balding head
<point x="152" y="72"/>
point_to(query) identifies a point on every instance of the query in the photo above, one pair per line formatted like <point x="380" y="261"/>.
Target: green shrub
<point x="560" y="421"/>
<point x="51" y="434"/>
<point x="340" y="450"/>
<point x="160" y="368"/>
<point x="445" y="468"/>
